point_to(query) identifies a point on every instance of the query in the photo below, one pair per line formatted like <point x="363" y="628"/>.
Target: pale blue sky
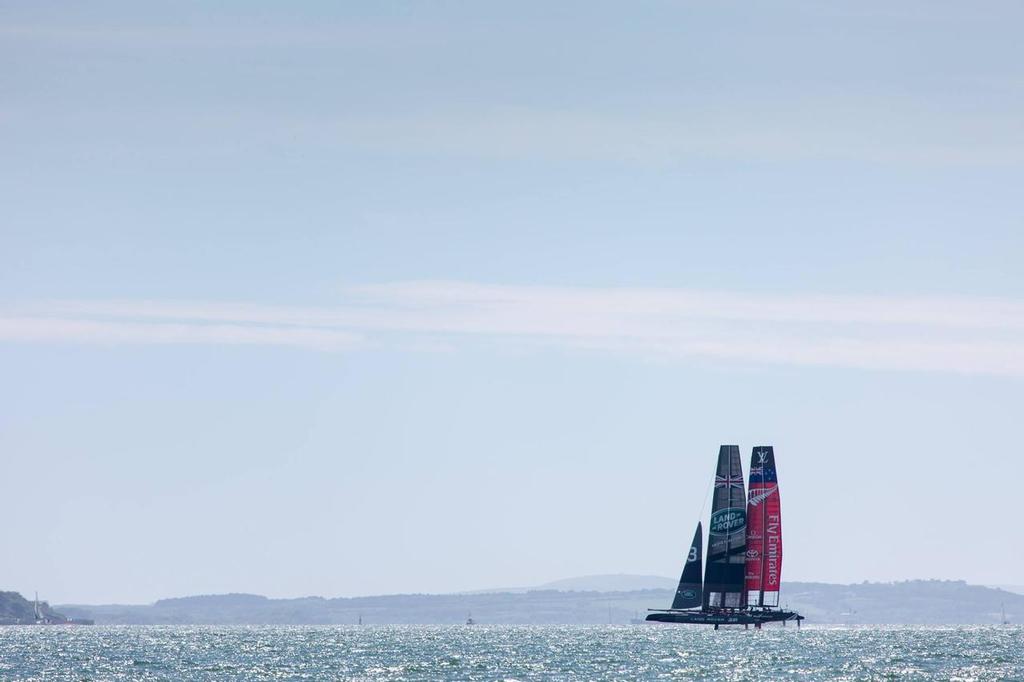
<point x="346" y="299"/>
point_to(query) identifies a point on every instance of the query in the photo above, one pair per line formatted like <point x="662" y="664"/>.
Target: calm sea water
<point x="485" y="652"/>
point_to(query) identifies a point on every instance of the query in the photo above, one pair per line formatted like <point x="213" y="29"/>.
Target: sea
<point x="503" y="652"/>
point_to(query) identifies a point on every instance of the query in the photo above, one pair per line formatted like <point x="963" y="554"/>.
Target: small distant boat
<point x="1002" y="612"/>
<point x="42" y="614"/>
<point x="741" y="581"/>
<point x="469" y="619"/>
<point x="40" y="618"/>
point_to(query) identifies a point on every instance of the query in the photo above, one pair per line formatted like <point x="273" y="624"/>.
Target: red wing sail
<point x="764" y="531"/>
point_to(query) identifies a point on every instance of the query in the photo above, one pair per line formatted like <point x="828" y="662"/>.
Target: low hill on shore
<point x="926" y="602"/>
<point x="16" y="610"/>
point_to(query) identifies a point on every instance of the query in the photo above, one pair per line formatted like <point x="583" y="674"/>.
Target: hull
<point x="724" y="617"/>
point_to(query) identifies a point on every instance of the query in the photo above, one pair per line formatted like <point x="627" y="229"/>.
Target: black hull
<point x="724" y="617"/>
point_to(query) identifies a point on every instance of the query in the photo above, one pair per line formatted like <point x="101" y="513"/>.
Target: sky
<point x="359" y="298"/>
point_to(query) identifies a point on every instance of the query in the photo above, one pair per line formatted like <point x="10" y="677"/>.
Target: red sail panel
<point x="755" y="534"/>
<point x="771" y="569"/>
<point x="763" y="570"/>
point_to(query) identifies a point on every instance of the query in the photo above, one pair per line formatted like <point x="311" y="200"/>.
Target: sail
<point x="764" y="530"/>
<point x="689" y="593"/>
<point x="727" y="534"/>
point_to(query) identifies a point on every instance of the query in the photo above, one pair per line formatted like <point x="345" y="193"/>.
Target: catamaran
<point x="743" y="574"/>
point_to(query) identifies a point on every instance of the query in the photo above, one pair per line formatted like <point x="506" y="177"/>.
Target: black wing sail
<point x="689" y="594"/>
<point x="727" y="534"/>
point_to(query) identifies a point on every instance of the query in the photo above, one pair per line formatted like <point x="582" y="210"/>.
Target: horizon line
<point x="536" y="588"/>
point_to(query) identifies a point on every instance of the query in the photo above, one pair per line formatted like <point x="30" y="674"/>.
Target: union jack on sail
<point x="731" y="481"/>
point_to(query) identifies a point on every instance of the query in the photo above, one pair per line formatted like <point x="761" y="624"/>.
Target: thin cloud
<point x="943" y="334"/>
<point x="150" y="38"/>
<point x="867" y="130"/>
<point x="109" y="333"/>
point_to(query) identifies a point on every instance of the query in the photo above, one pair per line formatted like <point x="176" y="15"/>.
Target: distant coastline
<point x="925" y="602"/>
<point x="17" y="610"/>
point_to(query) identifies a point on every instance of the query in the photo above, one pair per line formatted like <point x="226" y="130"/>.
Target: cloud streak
<point x="939" y="334"/>
<point x="119" y="332"/>
<point x="869" y="129"/>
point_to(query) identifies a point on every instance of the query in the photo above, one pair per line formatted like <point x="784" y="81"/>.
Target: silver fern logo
<point x="761" y="495"/>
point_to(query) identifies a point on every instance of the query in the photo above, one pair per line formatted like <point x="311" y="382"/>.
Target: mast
<point x="727" y="543"/>
<point x="764" y="530"/>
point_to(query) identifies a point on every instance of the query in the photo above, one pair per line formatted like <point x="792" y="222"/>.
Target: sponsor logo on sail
<point x="761" y="495"/>
<point x="773" y="555"/>
<point x="728" y="520"/>
<point x="688" y="594"/>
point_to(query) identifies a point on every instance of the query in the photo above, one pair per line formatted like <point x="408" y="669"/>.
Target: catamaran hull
<point x="730" y="618"/>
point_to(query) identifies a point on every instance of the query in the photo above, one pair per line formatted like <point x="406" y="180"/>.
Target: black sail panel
<point x="689" y="593"/>
<point x="727" y="542"/>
